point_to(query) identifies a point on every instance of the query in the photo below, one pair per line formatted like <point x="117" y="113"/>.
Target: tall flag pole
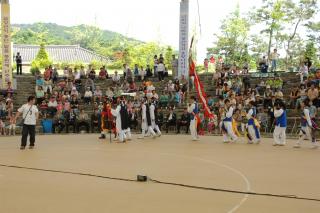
<point x="6" y="43"/>
<point x="183" y="69"/>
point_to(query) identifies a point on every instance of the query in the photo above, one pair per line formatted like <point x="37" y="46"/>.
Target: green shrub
<point x="42" y="60"/>
<point x="200" y="68"/>
<point x="34" y="70"/>
<point x="96" y="64"/>
<point x="115" y="65"/>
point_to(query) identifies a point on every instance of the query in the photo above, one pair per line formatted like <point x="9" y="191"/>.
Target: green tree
<point x="311" y="52"/>
<point x="168" y="57"/>
<point x="314" y="32"/>
<point x="233" y="39"/>
<point x="271" y="14"/>
<point x="258" y="46"/>
<point x="297" y="13"/>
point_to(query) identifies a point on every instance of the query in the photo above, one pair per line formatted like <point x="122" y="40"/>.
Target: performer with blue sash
<point x="226" y="127"/>
<point x="280" y="114"/>
<point x="193" y="109"/>
<point x="253" y="125"/>
<point x="308" y="129"/>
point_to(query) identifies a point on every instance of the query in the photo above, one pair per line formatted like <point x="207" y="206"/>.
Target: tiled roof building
<point x="58" y="53"/>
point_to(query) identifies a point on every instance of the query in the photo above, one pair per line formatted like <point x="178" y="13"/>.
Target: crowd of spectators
<point x="7" y="115"/>
<point x="73" y="101"/>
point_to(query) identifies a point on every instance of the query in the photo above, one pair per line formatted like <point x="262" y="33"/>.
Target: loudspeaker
<point x="142" y="178"/>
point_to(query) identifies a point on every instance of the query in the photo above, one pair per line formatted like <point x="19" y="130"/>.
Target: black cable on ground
<point x="164" y="183"/>
<point x="68" y="172"/>
<point x="235" y="191"/>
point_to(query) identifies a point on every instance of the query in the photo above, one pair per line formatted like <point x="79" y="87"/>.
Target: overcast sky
<point x="146" y="20"/>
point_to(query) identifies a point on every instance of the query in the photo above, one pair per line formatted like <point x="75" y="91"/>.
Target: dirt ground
<point x="209" y="163"/>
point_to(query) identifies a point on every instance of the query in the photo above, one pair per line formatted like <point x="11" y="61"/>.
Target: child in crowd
<point x="60" y="106"/>
<point x="12" y="125"/>
<point x="43" y="107"/>
<point x="2" y="128"/>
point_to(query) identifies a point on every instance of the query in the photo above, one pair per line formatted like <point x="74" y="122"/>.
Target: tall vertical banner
<point x="183" y="69"/>
<point x="6" y="43"/>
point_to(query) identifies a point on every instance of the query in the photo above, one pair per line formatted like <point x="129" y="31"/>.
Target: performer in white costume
<point x="253" y="129"/>
<point x="146" y="120"/>
<point x="153" y="116"/>
<point x="280" y="114"/>
<point x="116" y="113"/>
<point x="226" y="124"/>
<point x="307" y="126"/>
<point x="193" y="109"/>
<point x="125" y="127"/>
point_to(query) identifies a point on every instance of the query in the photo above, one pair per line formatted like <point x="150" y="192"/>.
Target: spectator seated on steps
<point x="2" y="127"/>
<point x="74" y="103"/>
<point x="3" y="110"/>
<point x="133" y="116"/>
<point x="89" y="83"/>
<point x="43" y="107"/>
<point x="8" y="91"/>
<point x="171" y="119"/>
<point x="71" y="120"/>
<point x="116" y="78"/>
<point x="109" y="93"/>
<point x="96" y="121"/>
<point x="47" y="86"/>
<point x="184" y="121"/>
<point x="58" y="122"/>
<point x="39" y="81"/>
<point x="83" y="120"/>
<point x="52" y="106"/>
<point x="132" y="87"/>
<point x="92" y="74"/>
<point x="103" y="75"/>
<point x="87" y="96"/>
<point x="97" y="95"/>
<point x="164" y="99"/>
<point x="39" y="94"/>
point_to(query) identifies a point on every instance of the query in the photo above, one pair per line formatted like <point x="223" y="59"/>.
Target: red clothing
<point x="212" y="60"/>
<point x="47" y="74"/>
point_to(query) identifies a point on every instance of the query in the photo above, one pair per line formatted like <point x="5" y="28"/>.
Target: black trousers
<point x="160" y="76"/>
<point x="97" y="125"/>
<point x="81" y="124"/>
<point x="71" y="124"/>
<point x="180" y="124"/>
<point x="28" y="130"/>
<point x="19" y="69"/>
<point x="170" y="123"/>
<point x="133" y="124"/>
<point x="60" y="127"/>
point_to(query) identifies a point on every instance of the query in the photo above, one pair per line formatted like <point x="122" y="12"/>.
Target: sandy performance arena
<point x="176" y="159"/>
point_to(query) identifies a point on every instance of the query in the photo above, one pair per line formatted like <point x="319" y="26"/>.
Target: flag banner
<point x="202" y="96"/>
